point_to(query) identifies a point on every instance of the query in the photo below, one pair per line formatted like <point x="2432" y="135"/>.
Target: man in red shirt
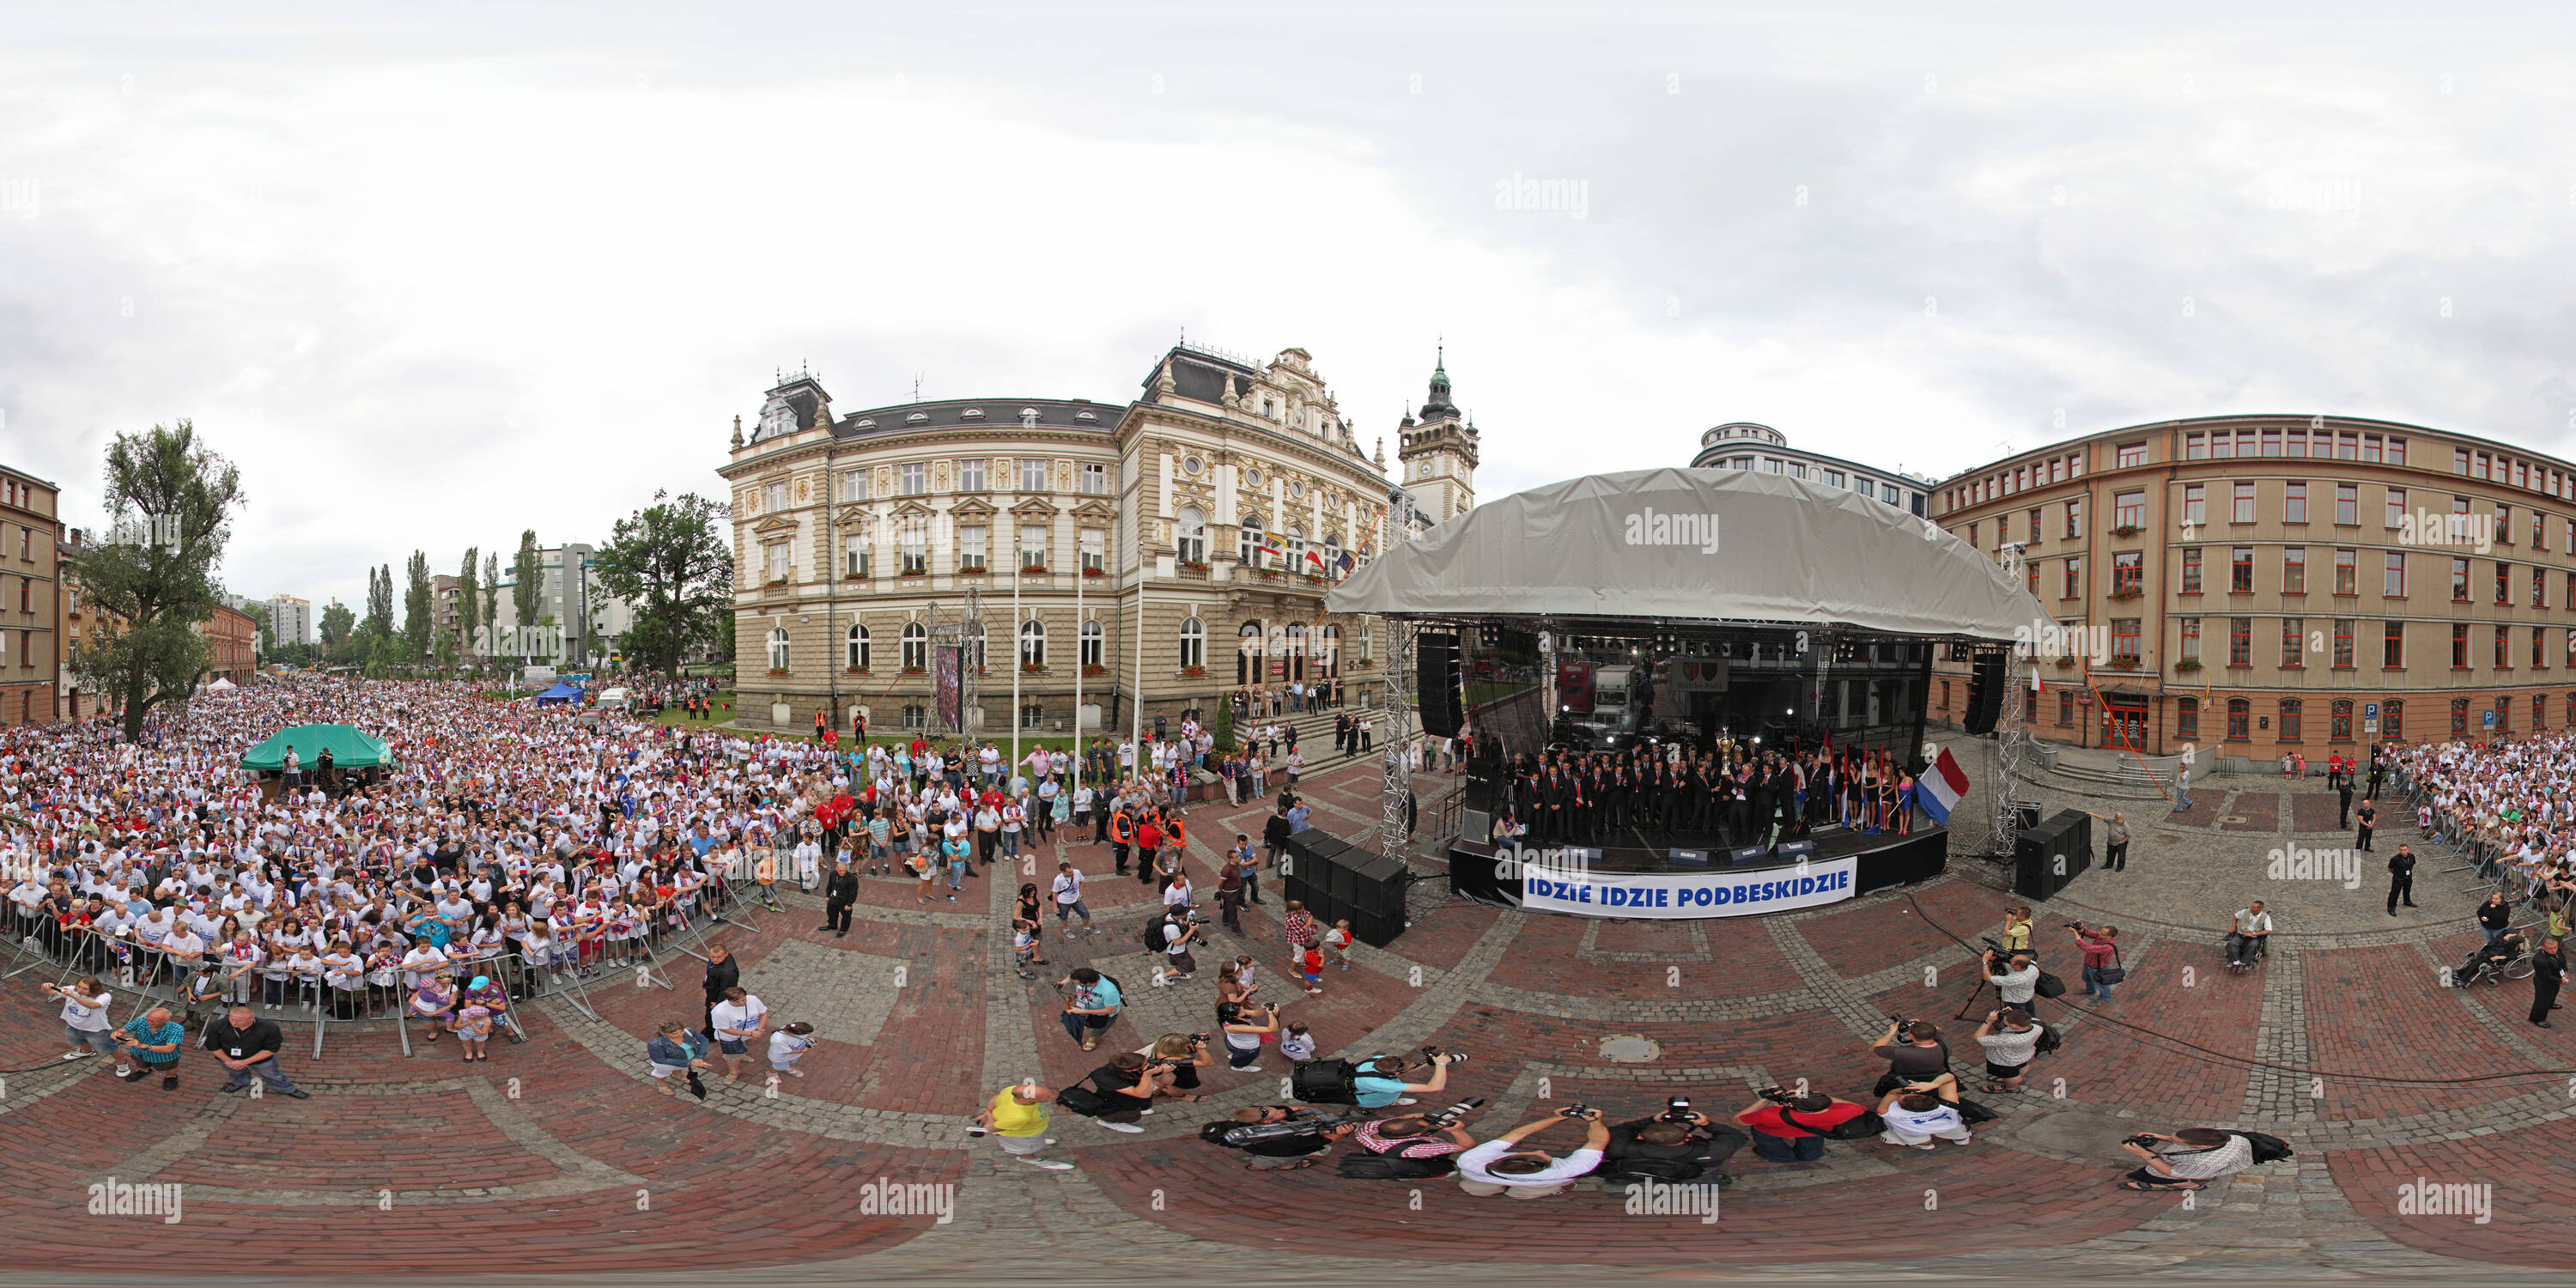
<point x="1149" y="838"/>
<point x="1790" y="1130"/>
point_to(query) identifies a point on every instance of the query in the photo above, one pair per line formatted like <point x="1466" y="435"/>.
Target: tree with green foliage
<point x="492" y="593"/>
<point x="672" y="564"/>
<point x="527" y="580"/>
<point x="174" y="499"/>
<point x="469" y="603"/>
<point x="380" y="601"/>
<point x="420" y="609"/>
<point x="380" y="655"/>
<point x="337" y="622"/>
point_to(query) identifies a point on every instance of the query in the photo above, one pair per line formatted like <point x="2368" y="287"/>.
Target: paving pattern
<point x="560" y="1150"/>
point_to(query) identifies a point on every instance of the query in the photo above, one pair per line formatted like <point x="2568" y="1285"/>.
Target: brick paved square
<point x="842" y="993"/>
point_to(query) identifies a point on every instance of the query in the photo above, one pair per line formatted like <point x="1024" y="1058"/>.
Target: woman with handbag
<point x="2101" y="959"/>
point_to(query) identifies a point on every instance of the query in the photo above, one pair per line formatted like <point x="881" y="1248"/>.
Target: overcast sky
<point x="434" y="274"/>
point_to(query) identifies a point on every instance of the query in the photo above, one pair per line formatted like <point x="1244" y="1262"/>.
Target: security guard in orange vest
<point x="1174" y="835"/>
<point x="1122" y="833"/>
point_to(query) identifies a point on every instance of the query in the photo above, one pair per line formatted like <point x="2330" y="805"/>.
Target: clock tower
<point x="1438" y="450"/>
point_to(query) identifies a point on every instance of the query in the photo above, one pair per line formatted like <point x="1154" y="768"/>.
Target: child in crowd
<point x="1313" y="961"/>
<point x="472" y="1027"/>
<point x="1024" y="945"/>
<point x="1338" y="941"/>
<point x="787" y="1044"/>
<point x="1297" y="1045"/>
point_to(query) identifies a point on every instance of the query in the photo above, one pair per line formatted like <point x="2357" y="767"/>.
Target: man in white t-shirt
<point x="1917" y="1112"/>
<point x="1501" y="1167"/>
<point x="85" y="1023"/>
<point x="739" y="1020"/>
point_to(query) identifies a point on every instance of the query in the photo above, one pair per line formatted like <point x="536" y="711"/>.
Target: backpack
<point x="1387" y="1167"/>
<point x="2048" y="1040"/>
<point x="1153" y="937"/>
<point x="2049" y="986"/>
<point x="1860" y="1126"/>
<point x="1325" y="1082"/>
<point x="1081" y="1100"/>
<point x="2267" y="1149"/>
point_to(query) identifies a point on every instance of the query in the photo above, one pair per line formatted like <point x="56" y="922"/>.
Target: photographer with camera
<point x="1123" y="1089"/>
<point x="1793" y="1128"/>
<point x="2187" y="1159"/>
<point x="2016" y="978"/>
<point x="1918" y="1112"/>
<point x="1415" y="1145"/>
<point x="2102" y="967"/>
<point x="1500" y="1166"/>
<point x="1180" y="1056"/>
<point x="2011" y="1040"/>
<point x="1380" y="1082"/>
<point x="1677" y="1145"/>
<point x="1247" y="1025"/>
<point x="1923" y="1053"/>
<point x="1090" y="1006"/>
<point x="1304" y="1134"/>
<point x="1177" y="930"/>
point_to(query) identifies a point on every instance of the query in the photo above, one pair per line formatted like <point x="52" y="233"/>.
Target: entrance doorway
<point x="2124" y="721"/>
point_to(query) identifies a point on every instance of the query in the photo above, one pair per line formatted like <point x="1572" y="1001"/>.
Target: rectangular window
<point x="2124" y="641"/>
<point x="2074" y="519"/>
<point x="2348" y="504"/>
<point x="2370" y="447"/>
<point x="2289" y="729"/>
<point x="1033" y="474"/>
<point x="2343" y="644"/>
<point x="2347" y="572"/>
<point x="2074" y="579"/>
<point x="2222" y="445"/>
<point x="2539" y="587"/>
<point x="2240" y="641"/>
<point x="916" y="548"/>
<point x="970" y="548"/>
<point x="2504" y="584"/>
<point x="2242" y="511"/>
<point x="2459" y="581"/>
<point x="2240" y="571"/>
<point x="2504" y="525"/>
<point x="2187" y="717"/>
<point x="2129" y="510"/>
<point x="2294" y="642"/>
<point x="2539" y="532"/>
<point x="2396" y="453"/>
<point x="2191" y="571"/>
<point x="2240" y="719"/>
<point x="2459" y="715"/>
<point x="2540" y="648"/>
<point x="2392" y="579"/>
<point x="2392" y="717"/>
<point x="2271" y="442"/>
<point x="2195" y="505"/>
<point x="1033" y="545"/>
<point x="2190" y="641"/>
<point x="2195" y="447"/>
<point x="854" y="557"/>
<point x="2396" y="507"/>
<point x="2503" y="648"/>
<point x="776" y="568"/>
<point x="1094" y="543"/>
<point x="2294" y="570"/>
<point x="2065" y="708"/>
<point x="2392" y="645"/>
<point x="2348" y="446"/>
<point x="2128" y="573"/>
<point x="2294" y="503"/>
<point x="2341" y="730"/>
<point x="1972" y="536"/>
<point x="2460" y="461"/>
<point x="773" y="498"/>
<point x="2034" y="525"/>
<point x="2459" y="646"/>
<point x="912" y="479"/>
<point x="2132" y="454"/>
<point x="1095" y="479"/>
<point x="854" y="485"/>
<point x="970" y="475"/>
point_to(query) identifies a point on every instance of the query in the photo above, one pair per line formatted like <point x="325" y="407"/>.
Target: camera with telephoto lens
<point x="1433" y="1053"/>
<point x="1574" y="1111"/>
<point x="1676" y="1110"/>
<point x="1450" y="1116"/>
<point x="1991" y="946"/>
<point x="1777" y="1095"/>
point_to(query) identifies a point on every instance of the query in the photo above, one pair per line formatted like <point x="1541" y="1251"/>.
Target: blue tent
<point x="559" y="695"/>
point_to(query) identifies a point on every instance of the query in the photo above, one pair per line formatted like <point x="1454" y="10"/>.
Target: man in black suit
<point x="2343" y="791"/>
<point x="838" y="894"/>
<point x="2548" y="970"/>
<point x="2401" y="878"/>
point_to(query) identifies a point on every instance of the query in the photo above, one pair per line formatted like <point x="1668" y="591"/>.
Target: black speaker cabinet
<point x="1436" y="682"/>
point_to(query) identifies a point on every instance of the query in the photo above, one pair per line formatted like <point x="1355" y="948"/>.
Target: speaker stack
<point x="1986" y="692"/>
<point x="1338" y="881"/>
<point x="2048" y="856"/>
<point x="1435" y="677"/>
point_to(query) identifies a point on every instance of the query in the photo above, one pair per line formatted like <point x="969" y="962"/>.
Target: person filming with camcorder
<point x="1679" y="1145"/>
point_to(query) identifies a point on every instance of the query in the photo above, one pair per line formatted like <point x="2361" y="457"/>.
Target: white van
<point x="612" y="697"/>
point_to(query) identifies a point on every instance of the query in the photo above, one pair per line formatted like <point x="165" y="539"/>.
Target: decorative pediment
<point x="774" y="525"/>
<point x="973" y="507"/>
<point x="1034" y="507"/>
<point x="912" y="509"/>
<point x="854" y="518"/>
<point x="1095" y="510"/>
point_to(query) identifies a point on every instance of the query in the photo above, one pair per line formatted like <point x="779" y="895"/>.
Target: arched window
<point x="1332" y="554"/>
<point x="1193" y="643"/>
<point x="1293" y="548"/>
<point x="1296" y="651"/>
<point x="1191" y="542"/>
<point x="1090" y="644"/>
<point x="1328" y="657"/>
<point x="778" y="648"/>
<point x="975" y="646"/>
<point x="1247" y="541"/>
<point x="858" y="648"/>
<point x="916" y="648"/>
<point x="1032" y="643"/>
<point x="1247" y="654"/>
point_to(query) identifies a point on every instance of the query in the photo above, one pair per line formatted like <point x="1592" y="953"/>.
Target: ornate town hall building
<point x="1166" y="551"/>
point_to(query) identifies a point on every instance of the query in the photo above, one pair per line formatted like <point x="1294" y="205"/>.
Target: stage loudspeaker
<point x="1986" y="693"/>
<point x="2025" y="817"/>
<point x="2046" y="857"/>
<point x="1475" y="823"/>
<point x="1436" y="684"/>
<point x="1745" y="854"/>
<point x="1793" y="851"/>
<point x="1687" y="858"/>
<point x="1376" y="903"/>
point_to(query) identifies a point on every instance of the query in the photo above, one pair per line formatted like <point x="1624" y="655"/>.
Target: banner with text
<point x="1688" y="894"/>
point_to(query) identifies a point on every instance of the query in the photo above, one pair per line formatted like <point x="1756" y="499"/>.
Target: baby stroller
<point x="2494" y="963"/>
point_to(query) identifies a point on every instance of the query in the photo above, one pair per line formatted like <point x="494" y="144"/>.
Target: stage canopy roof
<point x="350" y="748"/>
<point x="1682" y="544"/>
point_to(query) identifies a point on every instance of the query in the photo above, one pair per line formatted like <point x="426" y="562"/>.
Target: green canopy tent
<point x="350" y="748"/>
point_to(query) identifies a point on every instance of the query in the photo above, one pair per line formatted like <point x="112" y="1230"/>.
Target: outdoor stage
<point x="1683" y="884"/>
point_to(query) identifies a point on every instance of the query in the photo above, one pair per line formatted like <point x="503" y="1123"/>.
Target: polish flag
<point x="1942" y="786"/>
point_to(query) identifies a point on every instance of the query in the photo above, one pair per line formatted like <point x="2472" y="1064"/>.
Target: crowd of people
<point x="1732" y="793"/>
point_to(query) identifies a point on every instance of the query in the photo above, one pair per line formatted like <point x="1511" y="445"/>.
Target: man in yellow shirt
<point x="1018" y="1119"/>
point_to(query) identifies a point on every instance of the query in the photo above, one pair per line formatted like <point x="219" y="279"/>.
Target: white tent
<point x="1697" y="545"/>
<point x="221" y="684"/>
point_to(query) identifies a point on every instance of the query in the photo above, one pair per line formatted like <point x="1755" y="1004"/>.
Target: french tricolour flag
<point x="1942" y="786"/>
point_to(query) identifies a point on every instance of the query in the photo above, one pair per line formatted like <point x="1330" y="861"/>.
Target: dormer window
<point x="916" y="418"/>
<point x="1084" y="415"/>
<point x="866" y="423"/>
<point x="971" y="413"/>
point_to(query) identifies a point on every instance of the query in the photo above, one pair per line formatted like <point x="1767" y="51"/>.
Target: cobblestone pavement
<point x="559" y="1153"/>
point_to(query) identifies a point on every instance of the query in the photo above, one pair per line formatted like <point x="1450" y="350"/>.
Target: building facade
<point x="568" y="598"/>
<point x="77" y="697"/>
<point x="31" y="647"/>
<point x="2264" y="585"/>
<point x="1164" y="552"/>
<point x="1743" y="445"/>
<point x="290" y="620"/>
<point x="232" y="645"/>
